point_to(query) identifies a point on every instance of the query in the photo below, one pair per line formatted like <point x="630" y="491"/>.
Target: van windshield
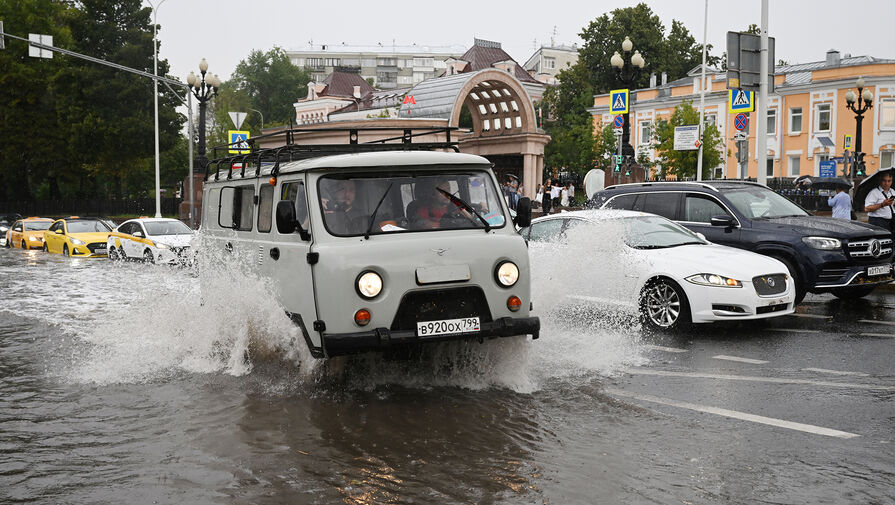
<point x="409" y="201"/>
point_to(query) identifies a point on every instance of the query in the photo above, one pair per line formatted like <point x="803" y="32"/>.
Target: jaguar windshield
<point x="756" y="202"/>
<point x="654" y="232"/>
<point x="377" y="203"/>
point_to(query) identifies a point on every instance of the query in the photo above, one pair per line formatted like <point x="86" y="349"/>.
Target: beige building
<point x="548" y="61"/>
<point x="807" y="115"/>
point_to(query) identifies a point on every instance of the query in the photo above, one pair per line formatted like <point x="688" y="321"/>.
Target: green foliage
<point x="74" y="128"/>
<point x="682" y="164"/>
<point x="271" y="84"/>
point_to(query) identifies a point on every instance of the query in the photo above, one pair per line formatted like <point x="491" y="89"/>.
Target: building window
<point x="770" y="167"/>
<point x="331" y="62"/>
<point x="315" y="62"/>
<point x="772" y="121"/>
<point x="794" y="166"/>
<point x="822" y="117"/>
<point x="549" y="62"/>
<point x="424" y="62"/>
<point x="887" y="115"/>
<point x="795" y="120"/>
<point x="711" y="119"/>
<point x="886" y="159"/>
<point x="368" y="62"/>
<point x="644" y="132"/>
<point x="386" y="62"/>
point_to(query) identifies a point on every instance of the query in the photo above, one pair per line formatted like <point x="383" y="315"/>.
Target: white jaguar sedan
<point x="154" y="240"/>
<point x="671" y="275"/>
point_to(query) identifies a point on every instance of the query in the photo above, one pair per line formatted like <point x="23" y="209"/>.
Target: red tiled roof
<point x="481" y="57"/>
<point x="343" y="83"/>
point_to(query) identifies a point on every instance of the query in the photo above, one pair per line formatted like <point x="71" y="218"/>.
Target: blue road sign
<point x="618" y="101"/>
<point x="740" y="101"/>
<point x="741" y="121"/>
<point x="619" y="121"/>
<point x="828" y="168"/>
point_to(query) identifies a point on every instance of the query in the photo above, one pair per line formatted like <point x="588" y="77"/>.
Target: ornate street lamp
<point x="859" y="104"/>
<point x="627" y="74"/>
<point x="203" y="89"/>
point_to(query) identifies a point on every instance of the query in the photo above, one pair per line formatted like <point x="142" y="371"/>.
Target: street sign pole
<point x="761" y="134"/>
<point x="702" y="93"/>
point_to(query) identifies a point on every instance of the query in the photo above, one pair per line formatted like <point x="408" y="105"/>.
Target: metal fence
<point x="91" y="207"/>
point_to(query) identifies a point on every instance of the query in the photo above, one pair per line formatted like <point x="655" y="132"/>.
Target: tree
<point x="682" y="164"/>
<point x="271" y="83"/>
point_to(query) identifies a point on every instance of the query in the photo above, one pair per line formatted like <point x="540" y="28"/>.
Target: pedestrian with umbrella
<point x="879" y="198"/>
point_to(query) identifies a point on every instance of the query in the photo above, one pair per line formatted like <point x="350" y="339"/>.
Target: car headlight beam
<point x="75" y="241"/>
<point x="369" y="284"/>
<point x="714" y="280"/>
<point x="507" y="273"/>
<point x="823" y="243"/>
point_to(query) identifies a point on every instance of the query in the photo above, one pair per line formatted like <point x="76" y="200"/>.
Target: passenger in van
<point x="432" y="207"/>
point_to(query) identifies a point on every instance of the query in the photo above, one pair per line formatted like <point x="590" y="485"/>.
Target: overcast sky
<point x="225" y="31"/>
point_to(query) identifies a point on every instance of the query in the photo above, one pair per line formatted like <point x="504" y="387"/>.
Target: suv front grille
<point x="437" y="304"/>
<point x="769" y="285"/>
<point x="870" y="248"/>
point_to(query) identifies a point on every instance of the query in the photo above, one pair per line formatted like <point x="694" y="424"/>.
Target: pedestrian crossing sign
<point x="847" y="142"/>
<point x="238" y="142"/>
<point x="740" y="101"/>
<point x="618" y="101"/>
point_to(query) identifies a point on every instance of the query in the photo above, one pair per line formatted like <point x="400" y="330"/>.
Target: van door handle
<point x="229" y="247"/>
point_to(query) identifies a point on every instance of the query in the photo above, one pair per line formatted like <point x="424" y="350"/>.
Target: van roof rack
<point x="292" y="151"/>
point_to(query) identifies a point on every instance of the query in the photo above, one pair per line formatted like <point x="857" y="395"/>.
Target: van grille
<point x="438" y="304"/>
<point x="769" y="285"/>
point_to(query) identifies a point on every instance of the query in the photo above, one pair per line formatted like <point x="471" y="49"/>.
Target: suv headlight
<point x="369" y="284"/>
<point x="507" y="273"/>
<point x="823" y="243"/>
<point x="75" y="241"/>
<point x="714" y="280"/>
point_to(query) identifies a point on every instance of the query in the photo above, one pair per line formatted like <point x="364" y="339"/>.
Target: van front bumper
<point x="377" y="339"/>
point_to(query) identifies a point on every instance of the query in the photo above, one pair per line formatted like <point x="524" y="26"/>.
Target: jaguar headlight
<point x="369" y="284"/>
<point x="823" y="243"/>
<point x="714" y="280"/>
<point x="75" y="241"/>
<point x="507" y="273"/>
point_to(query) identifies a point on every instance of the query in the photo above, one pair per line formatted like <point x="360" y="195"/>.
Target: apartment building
<point x="548" y="61"/>
<point x="807" y="116"/>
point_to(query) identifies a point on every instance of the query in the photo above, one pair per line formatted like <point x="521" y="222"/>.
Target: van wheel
<point x="147" y="256"/>
<point x="796" y="279"/>
<point x="664" y="306"/>
<point x="852" y="293"/>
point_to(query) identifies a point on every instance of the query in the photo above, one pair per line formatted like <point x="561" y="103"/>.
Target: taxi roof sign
<point x="618" y="101"/>
<point x="739" y="100"/>
<point x="238" y="142"/>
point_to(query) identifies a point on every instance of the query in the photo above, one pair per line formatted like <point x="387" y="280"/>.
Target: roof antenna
<point x="553" y="37"/>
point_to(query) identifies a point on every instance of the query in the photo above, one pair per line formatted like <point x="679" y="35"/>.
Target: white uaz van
<point x="372" y="250"/>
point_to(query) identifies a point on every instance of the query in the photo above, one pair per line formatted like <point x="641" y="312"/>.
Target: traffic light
<point x="617" y="158"/>
<point x="859" y="165"/>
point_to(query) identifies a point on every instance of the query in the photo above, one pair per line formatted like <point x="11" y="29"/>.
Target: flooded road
<point x="126" y="383"/>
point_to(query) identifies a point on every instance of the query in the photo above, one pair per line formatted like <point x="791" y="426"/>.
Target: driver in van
<point x="341" y="208"/>
<point x="430" y="204"/>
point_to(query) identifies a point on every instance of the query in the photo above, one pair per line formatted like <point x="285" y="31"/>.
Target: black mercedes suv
<point x="824" y="255"/>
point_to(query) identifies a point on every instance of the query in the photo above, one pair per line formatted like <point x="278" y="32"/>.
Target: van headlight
<point x="714" y="280"/>
<point x="507" y="273"/>
<point x="369" y="284"/>
<point x="823" y="243"/>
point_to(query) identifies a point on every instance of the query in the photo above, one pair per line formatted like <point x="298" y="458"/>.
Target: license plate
<point x="99" y="250"/>
<point x="448" y="326"/>
<point x="880" y="270"/>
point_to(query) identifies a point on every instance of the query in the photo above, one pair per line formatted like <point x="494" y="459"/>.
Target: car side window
<point x="545" y="231"/>
<point x="17" y="227"/>
<point x="621" y="202"/>
<point x="701" y="208"/>
<point x="662" y="204"/>
<point x="138" y="227"/>
<point x="295" y="192"/>
<point x="265" y="208"/>
<point x="57" y="226"/>
<point x="126" y="229"/>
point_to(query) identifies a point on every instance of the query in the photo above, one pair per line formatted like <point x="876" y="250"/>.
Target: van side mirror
<point x="286" y="222"/>
<point x="523" y="212"/>
<point x="725" y="221"/>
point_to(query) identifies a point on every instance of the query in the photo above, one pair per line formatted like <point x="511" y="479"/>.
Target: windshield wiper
<point x="375" y="210"/>
<point x="457" y="200"/>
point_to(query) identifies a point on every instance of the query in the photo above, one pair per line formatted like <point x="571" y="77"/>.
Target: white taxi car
<point x="154" y="240"/>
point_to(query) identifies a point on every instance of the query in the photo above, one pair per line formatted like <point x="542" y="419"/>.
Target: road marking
<point x="834" y="372"/>
<point x="874" y="321"/>
<point x="741" y="360"/>
<point x="752" y="378"/>
<point x="665" y="349"/>
<point x="770" y="421"/>
<point x="795" y="330"/>
<point x="815" y="316"/>
<point x="883" y="335"/>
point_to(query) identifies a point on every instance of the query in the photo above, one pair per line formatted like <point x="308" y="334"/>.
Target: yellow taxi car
<point x="81" y="237"/>
<point x="28" y="233"/>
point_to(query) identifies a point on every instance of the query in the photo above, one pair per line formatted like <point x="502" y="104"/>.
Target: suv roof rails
<point x="291" y="151"/>
<point x="707" y="185"/>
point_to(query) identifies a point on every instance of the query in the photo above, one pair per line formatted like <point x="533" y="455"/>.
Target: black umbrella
<point x="868" y="184"/>
<point x="811" y="182"/>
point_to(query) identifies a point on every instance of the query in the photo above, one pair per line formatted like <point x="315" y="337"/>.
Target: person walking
<point x="564" y="196"/>
<point x="547" y="200"/>
<point x="878" y="203"/>
<point x="841" y="204"/>
<point x="554" y="194"/>
<point x="539" y="196"/>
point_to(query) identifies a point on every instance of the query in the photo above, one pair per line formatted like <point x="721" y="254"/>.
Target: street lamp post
<point x="627" y="73"/>
<point x="158" y="195"/>
<point x="859" y="104"/>
<point x="203" y="89"/>
<point x="260" y="114"/>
